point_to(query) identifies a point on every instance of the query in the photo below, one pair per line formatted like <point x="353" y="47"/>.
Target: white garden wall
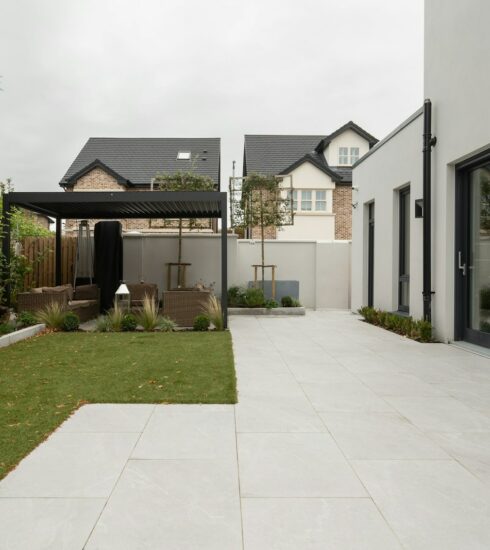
<point x="322" y="268"/>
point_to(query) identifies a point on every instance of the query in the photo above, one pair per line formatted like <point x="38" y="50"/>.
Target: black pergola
<point x="116" y="205"/>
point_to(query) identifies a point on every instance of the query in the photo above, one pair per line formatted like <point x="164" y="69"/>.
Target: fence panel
<point x="40" y="252"/>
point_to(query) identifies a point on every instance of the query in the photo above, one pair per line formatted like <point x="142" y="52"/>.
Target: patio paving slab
<point x="430" y="503"/>
<point x="173" y="505"/>
<point x="47" y="523"/>
<point x="377" y="436"/>
<point x="315" y="524"/>
<point x="71" y="465"/>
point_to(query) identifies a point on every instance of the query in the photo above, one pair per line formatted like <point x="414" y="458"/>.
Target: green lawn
<point x="44" y="379"/>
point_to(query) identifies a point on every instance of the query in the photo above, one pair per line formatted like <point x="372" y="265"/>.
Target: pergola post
<point x="58" y="252"/>
<point x="224" y="260"/>
<point x="5" y="236"/>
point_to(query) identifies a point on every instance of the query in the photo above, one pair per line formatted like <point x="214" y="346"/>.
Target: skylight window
<point x="184" y="155"/>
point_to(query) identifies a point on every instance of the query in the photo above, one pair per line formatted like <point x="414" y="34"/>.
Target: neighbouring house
<point x="319" y="168"/>
<point x="397" y="215"/>
<point x="131" y="164"/>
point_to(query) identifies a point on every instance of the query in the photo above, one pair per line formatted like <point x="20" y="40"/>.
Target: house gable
<point x="308" y="175"/>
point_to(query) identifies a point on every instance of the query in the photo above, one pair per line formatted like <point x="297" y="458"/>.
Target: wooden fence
<point x="41" y="253"/>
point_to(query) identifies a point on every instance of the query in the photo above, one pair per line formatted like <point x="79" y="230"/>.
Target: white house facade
<point x="319" y="168"/>
<point x="388" y="223"/>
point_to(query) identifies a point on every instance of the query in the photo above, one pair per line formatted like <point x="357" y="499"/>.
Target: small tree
<point x="21" y="226"/>
<point x="184" y="181"/>
<point x="261" y="203"/>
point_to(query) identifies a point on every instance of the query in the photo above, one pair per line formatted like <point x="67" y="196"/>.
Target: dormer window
<point x="348" y="156"/>
<point x="184" y="155"/>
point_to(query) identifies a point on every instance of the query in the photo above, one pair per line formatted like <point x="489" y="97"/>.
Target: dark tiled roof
<point x="138" y="160"/>
<point x="345" y="173"/>
<point x="317" y="160"/>
<point x="269" y="154"/>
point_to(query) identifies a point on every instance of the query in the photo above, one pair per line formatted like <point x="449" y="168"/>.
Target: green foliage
<point x="261" y="203"/>
<point x="26" y="319"/>
<point x="416" y="329"/>
<point x="485" y="297"/>
<point x="254" y="297"/>
<point x="271" y="304"/>
<point x="115" y="318"/>
<point x="129" y="323"/>
<point x="296" y="303"/>
<point x="485" y="326"/>
<point x="103" y="324"/>
<point x="6" y="328"/>
<point x="201" y="323"/>
<point x="236" y="295"/>
<point x="71" y="321"/>
<point x="52" y="316"/>
<point x="287" y="301"/>
<point x="214" y="313"/>
<point x="148" y="316"/>
<point x="166" y="325"/>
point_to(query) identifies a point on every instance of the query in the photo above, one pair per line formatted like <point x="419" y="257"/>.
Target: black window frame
<point x="403" y="270"/>
<point x="371" y="232"/>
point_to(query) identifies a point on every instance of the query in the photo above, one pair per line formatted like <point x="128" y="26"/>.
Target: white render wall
<point x="349" y="139"/>
<point x="457" y="80"/>
<point x="379" y="177"/>
<point x="307" y="225"/>
<point x="322" y="268"/>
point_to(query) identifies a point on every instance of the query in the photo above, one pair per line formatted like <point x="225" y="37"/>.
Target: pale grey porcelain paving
<point x="47" y="523"/>
<point x="188" y="431"/>
<point x="430" y="504"/>
<point x="71" y="465"/>
<point x="173" y="505"/>
<point x="363" y="435"/>
<point x="315" y="524"/>
<point x="102" y="417"/>
<point x="349" y="437"/>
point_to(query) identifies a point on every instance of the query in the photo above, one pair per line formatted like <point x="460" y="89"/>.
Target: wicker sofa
<point x="84" y="300"/>
<point x="182" y="306"/>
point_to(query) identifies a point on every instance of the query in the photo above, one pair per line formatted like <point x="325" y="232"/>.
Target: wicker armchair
<point x="182" y="306"/>
<point x="35" y="301"/>
<point x="138" y="291"/>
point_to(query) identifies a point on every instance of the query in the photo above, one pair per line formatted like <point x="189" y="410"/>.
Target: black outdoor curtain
<point x="108" y="261"/>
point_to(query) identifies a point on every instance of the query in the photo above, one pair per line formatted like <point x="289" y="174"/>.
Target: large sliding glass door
<point x="473" y="254"/>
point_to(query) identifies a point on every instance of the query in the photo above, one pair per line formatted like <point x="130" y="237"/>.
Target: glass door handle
<point x="460" y="264"/>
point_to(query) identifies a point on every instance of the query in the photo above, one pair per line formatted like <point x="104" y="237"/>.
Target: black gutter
<point x="429" y="142"/>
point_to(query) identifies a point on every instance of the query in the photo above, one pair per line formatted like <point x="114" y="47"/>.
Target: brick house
<point x="321" y="175"/>
<point x="131" y="164"/>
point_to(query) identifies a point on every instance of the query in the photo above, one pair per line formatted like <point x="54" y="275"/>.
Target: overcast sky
<point x="72" y="69"/>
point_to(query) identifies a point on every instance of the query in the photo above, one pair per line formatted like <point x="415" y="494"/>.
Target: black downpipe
<point x="429" y="142"/>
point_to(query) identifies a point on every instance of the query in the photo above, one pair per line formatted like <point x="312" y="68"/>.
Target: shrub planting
<point x="52" y="316"/>
<point x="6" y="328"/>
<point x="165" y="324"/>
<point x="102" y="324"/>
<point x="271" y="304"/>
<point x="236" y="296"/>
<point x="129" y="323"/>
<point x="26" y="319"/>
<point x="214" y="313"/>
<point x="201" y="323"/>
<point x="71" y="322"/>
<point x="419" y="330"/>
<point x="287" y="301"/>
<point x="115" y="317"/>
<point x="254" y="297"/>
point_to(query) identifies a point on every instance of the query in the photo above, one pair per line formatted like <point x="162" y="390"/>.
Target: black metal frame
<point x="403" y="277"/>
<point x="462" y="244"/>
<point x="109" y="205"/>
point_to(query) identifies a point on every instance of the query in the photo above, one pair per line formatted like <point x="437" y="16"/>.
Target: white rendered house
<point x="320" y="171"/>
<point x="388" y="224"/>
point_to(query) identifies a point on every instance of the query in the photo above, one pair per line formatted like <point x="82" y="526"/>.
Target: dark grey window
<point x="404" y="251"/>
